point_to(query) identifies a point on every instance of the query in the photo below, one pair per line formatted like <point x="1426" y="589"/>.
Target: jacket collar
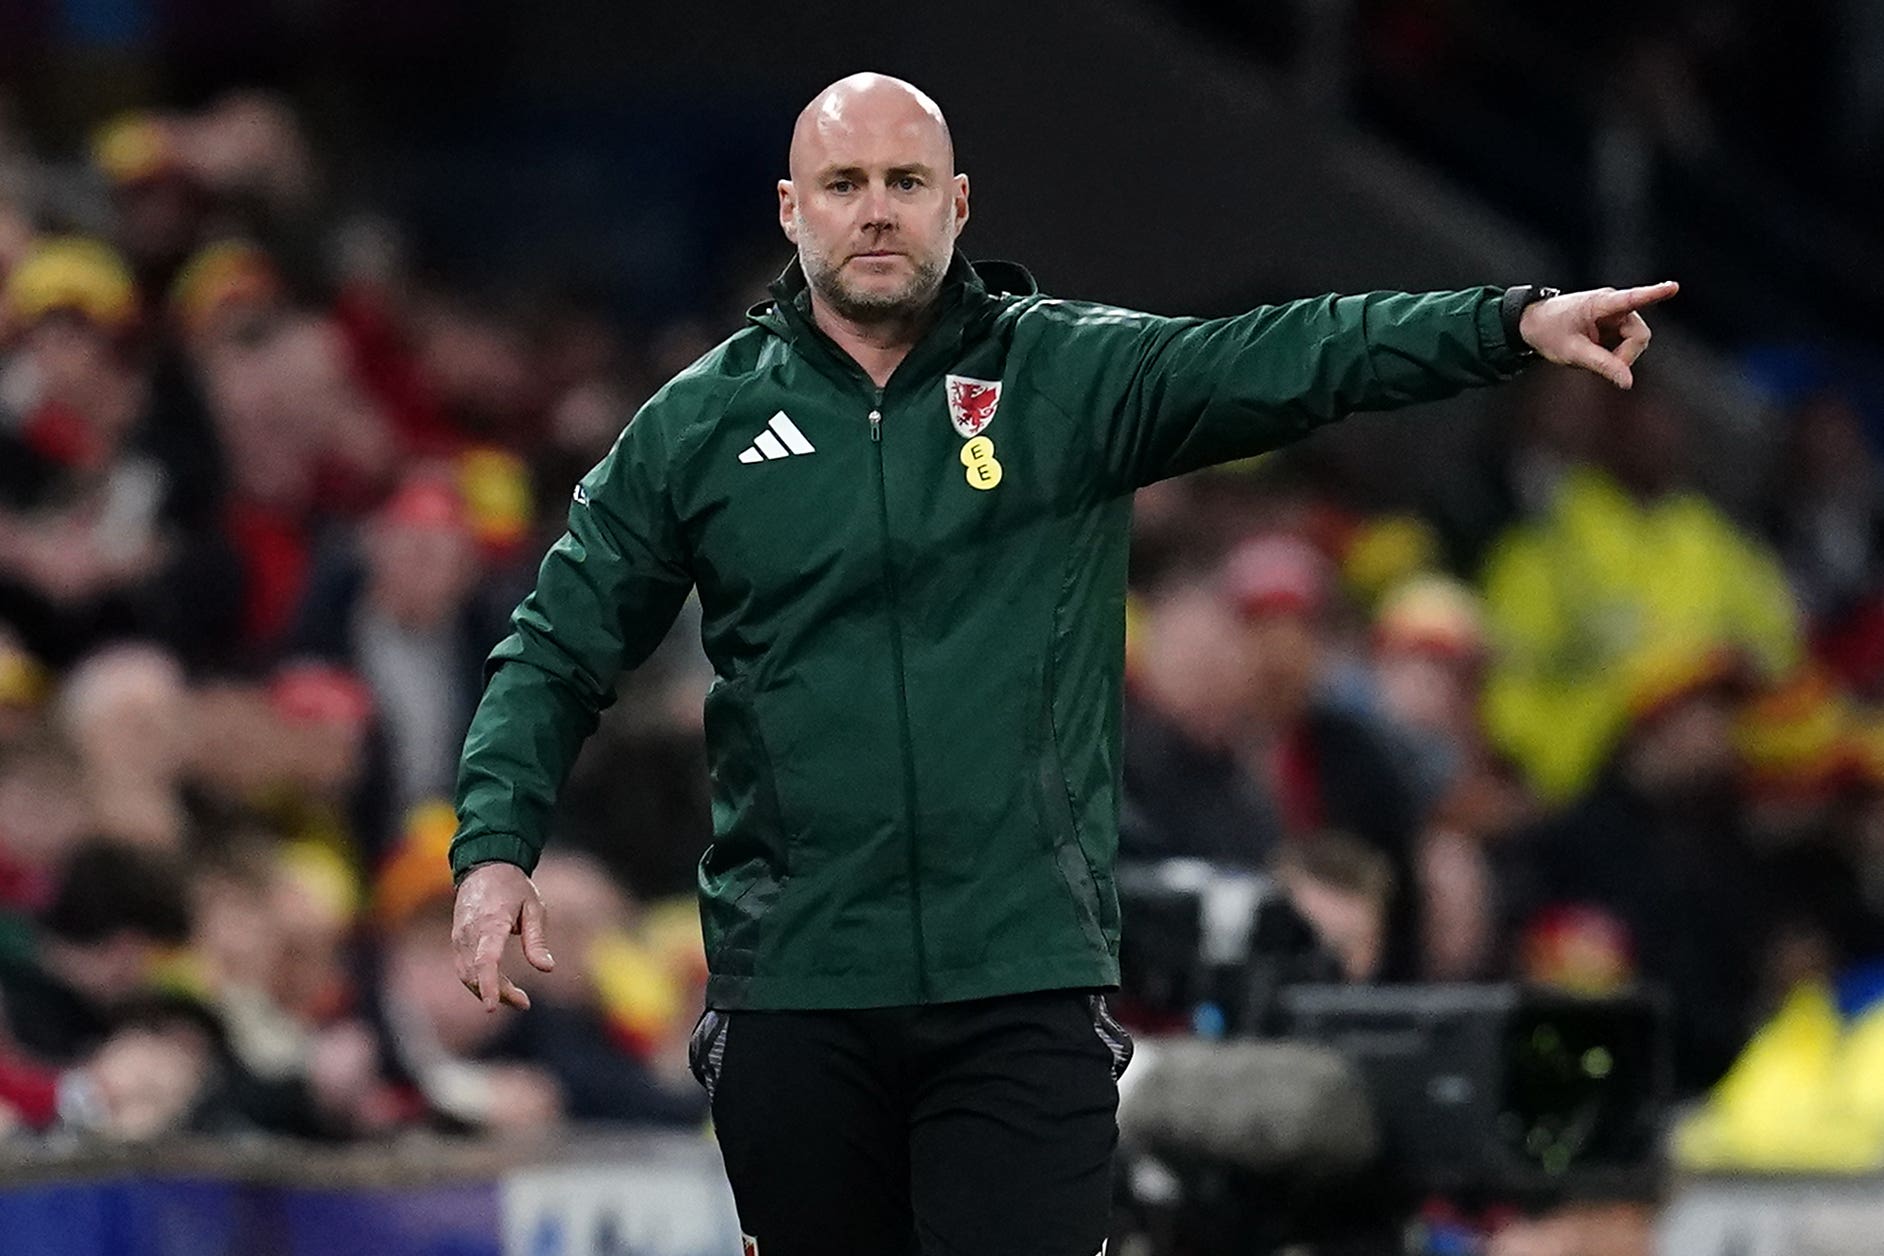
<point x="966" y="286"/>
<point x="965" y="306"/>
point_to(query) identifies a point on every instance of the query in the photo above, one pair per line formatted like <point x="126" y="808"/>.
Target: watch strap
<point x="1511" y="313"/>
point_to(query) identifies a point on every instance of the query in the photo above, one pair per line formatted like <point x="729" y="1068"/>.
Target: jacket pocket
<point x="1061" y="827"/>
<point x="749" y="861"/>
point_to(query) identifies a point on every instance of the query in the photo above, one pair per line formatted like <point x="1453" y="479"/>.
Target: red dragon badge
<point x="972" y="403"/>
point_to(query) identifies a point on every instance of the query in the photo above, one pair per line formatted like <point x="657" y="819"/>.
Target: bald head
<point x="873" y="202"/>
<point x="869" y="103"/>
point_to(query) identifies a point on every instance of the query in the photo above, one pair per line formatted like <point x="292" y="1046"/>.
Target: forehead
<point x="896" y="133"/>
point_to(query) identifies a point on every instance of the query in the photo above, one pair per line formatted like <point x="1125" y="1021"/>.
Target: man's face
<point x="421" y="574"/>
<point x="872" y="206"/>
<point x="1285" y="664"/>
<point x="1688" y="749"/>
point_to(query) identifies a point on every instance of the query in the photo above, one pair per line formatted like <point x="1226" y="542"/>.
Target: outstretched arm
<point x="1171" y="395"/>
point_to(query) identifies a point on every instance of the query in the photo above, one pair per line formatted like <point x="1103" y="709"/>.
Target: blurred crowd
<point x="266" y="499"/>
<point x="1595" y="733"/>
<point x="267" y="494"/>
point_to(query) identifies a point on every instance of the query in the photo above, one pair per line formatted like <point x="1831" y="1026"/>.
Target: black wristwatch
<point x="1511" y="312"/>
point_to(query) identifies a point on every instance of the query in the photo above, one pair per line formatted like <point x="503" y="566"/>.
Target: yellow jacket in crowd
<point x="1584" y="599"/>
<point x="1807" y="1095"/>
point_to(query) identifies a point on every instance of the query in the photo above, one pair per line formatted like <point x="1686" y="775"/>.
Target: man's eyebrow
<point x="861" y="175"/>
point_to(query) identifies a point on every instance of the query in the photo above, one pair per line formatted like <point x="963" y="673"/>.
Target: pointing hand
<point x="1600" y="330"/>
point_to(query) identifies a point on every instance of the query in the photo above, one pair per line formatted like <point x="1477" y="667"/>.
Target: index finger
<point x="489" y="980"/>
<point x="1628" y="299"/>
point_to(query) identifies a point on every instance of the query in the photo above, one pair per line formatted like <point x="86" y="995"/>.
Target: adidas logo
<point x="781" y="439"/>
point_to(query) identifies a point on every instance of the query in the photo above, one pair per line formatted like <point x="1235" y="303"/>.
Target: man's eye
<point x="909" y="183"/>
<point x="840" y="186"/>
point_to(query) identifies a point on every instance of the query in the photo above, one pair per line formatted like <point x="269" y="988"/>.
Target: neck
<point x="878" y="347"/>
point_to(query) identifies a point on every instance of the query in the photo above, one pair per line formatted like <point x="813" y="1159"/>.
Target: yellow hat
<point x="23" y="682"/>
<point x="1799" y="735"/>
<point x="1432" y="614"/>
<point x="1660" y="677"/>
<point x="495" y="487"/>
<point x="320" y="870"/>
<point x="227" y="272"/>
<point x="136" y="147"/>
<point x="418" y="872"/>
<point x="74" y="275"/>
<point x="1383" y="552"/>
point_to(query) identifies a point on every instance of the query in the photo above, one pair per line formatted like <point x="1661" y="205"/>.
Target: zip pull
<point x="876" y="425"/>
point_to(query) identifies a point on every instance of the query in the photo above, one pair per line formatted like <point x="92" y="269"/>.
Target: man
<point x="903" y="494"/>
<point x="1653" y="871"/>
<point x="1625" y="563"/>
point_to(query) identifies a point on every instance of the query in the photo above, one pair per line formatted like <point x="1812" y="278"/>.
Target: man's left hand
<point x="1601" y="330"/>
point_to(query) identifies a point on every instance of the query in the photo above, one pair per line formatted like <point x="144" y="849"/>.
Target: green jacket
<point x="913" y="732"/>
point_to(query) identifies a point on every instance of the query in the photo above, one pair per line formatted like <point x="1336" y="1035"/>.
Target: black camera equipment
<point x="1495" y="1087"/>
<point x="1501" y="1089"/>
<point x="1212" y="946"/>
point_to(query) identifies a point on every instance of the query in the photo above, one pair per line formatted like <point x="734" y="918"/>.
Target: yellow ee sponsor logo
<point x="978" y="456"/>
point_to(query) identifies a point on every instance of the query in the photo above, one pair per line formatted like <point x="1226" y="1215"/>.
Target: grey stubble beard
<point x="910" y="302"/>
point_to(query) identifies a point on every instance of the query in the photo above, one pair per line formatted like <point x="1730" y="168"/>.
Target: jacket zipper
<point x="902" y="710"/>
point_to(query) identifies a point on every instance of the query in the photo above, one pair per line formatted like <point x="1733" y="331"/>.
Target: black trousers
<point x="983" y="1128"/>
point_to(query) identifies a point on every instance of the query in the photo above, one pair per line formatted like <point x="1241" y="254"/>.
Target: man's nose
<point x="878" y="212"/>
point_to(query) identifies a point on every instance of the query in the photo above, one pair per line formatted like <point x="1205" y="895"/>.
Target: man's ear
<point x="961" y="202"/>
<point x="787" y="209"/>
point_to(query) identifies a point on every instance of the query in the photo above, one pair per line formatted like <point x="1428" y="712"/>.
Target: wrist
<point x="457" y="877"/>
<point x="1511" y="313"/>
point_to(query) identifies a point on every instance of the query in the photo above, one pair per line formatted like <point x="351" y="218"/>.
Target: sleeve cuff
<point x="468" y="852"/>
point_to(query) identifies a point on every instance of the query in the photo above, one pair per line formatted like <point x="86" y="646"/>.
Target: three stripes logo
<point x="780" y="439"/>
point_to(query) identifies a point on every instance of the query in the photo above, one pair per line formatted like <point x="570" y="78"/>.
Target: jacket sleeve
<point x="606" y="594"/>
<point x="1177" y="394"/>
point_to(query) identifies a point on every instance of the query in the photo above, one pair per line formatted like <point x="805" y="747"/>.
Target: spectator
<point x="1521" y="461"/>
<point x="303" y="440"/>
<point x="156" y="1074"/>
<point x="1429" y="655"/>
<point x="1625" y="563"/>
<point x="159" y="200"/>
<point x="478" y="364"/>
<point x="44" y="813"/>
<point x="272" y="925"/>
<point x="518" y="1075"/>
<point x="624" y="972"/>
<point x="1825" y="516"/>
<point x="1653" y="870"/>
<point x="298" y="755"/>
<point x="332" y="782"/>
<point x="1824" y="508"/>
<point x="230" y="294"/>
<point x="1324" y="764"/>
<point x="102" y="471"/>
<point x="1187" y="792"/>
<point x="126" y="711"/>
<point x="113" y="912"/>
<point x="398" y="609"/>
<point x="1344" y="888"/>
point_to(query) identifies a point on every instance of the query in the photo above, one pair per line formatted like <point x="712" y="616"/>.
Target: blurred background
<point x="1517" y="763"/>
